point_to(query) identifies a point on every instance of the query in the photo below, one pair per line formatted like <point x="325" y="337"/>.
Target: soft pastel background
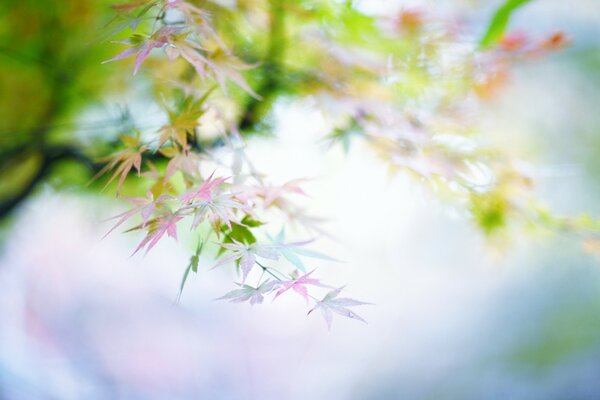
<point x="454" y="318"/>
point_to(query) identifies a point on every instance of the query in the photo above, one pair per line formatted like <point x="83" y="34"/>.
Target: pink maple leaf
<point x="185" y="161"/>
<point x="158" y="227"/>
<point x="298" y="285"/>
<point x="272" y="194"/>
<point x="204" y="192"/>
<point x="143" y="205"/>
<point x="143" y="46"/>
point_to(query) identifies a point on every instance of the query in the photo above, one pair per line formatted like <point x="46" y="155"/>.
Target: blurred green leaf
<point x="499" y="22"/>
<point x="490" y="211"/>
<point x="192" y="266"/>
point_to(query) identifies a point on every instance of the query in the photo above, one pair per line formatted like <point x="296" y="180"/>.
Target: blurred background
<point x="454" y="317"/>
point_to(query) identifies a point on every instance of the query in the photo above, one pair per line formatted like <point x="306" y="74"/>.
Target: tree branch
<point x="50" y="157"/>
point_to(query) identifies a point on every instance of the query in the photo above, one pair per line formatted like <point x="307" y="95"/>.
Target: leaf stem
<point x="268" y="270"/>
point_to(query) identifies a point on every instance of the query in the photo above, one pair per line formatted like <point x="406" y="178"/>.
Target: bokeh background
<point x="455" y="317"/>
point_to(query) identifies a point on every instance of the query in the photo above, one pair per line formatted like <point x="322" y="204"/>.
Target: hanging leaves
<point x="406" y="85"/>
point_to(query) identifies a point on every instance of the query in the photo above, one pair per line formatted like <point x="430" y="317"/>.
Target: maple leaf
<point x="127" y="17"/>
<point x="189" y="51"/>
<point x="143" y="205"/>
<point x="159" y="186"/>
<point x="271" y="194"/>
<point x="246" y="255"/>
<point x="218" y="210"/>
<point x="299" y="285"/>
<point x="124" y="161"/>
<point x="224" y="66"/>
<point x="204" y="191"/>
<point x="221" y="64"/>
<point x="197" y="19"/>
<point x="275" y="196"/>
<point x="331" y="304"/>
<point x="157" y="229"/>
<point x="185" y="161"/>
<point x="183" y="121"/>
<point x="293" y="250"/>
<point x="141" y="46"/>
<point x="246" y="292"/>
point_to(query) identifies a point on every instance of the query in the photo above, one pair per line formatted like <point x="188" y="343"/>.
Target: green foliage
<point x="240" y="232"/>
